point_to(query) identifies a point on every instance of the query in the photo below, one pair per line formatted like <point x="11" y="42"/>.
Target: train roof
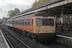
<point x="36" y="14"/>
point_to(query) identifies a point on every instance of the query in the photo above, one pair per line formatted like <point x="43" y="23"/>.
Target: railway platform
<point x="3" y="42"/>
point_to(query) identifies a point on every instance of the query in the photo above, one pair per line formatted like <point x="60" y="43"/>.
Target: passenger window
<point x="45" y="22"/>
<point x="26" y="22"/>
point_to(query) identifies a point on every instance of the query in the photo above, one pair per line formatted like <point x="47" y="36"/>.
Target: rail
<point x="26" y="42"/>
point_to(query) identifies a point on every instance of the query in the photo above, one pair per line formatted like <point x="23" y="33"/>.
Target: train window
<point x="38" y="21"/>
<point x="48" y="22"/>
<point x="27" y="22"/>
<point x="18" y="22"/>
<point x="21" y="22"/>
<point x="45" y="22"/>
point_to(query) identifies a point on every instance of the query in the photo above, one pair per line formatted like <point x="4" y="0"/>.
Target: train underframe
<point x="38" y="37"/>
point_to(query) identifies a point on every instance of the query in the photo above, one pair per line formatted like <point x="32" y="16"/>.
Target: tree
<point x="17" y="10"/>
<point x="39" y="3"/>
<point x="12" y="13"/>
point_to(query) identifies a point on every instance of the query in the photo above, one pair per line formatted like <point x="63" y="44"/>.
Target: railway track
<point x="7" y="40"/>
<point x="20" y="41"/>
<point x="27" y="43"/>
<point x="15" y="42"/>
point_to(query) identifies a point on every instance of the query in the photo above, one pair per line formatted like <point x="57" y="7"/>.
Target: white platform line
<point x="64" y="36"/>
<point x="5" y="40"/>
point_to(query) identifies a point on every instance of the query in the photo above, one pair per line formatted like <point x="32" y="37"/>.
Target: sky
<point x="6" y="5"/>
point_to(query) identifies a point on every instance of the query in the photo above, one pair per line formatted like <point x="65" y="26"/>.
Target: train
<point x="38" y="26"/>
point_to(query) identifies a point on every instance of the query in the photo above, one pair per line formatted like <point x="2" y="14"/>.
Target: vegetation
<point x="39" y="3"/>
<point x="12" y="13"/>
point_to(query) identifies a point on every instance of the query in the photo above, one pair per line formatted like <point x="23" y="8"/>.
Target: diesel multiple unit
<point x="38" y="26"/>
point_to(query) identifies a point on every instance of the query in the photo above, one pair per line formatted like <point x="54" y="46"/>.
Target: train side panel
<point x="26" y="23"/>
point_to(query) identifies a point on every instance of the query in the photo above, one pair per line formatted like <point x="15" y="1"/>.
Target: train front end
<point x="45" y="27"/>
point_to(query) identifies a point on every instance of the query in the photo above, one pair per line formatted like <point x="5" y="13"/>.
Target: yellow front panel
<point x="44" y="29"/>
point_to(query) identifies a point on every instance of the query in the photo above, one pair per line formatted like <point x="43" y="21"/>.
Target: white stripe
<point x="5" y="40"/>
<point x="64" y="36"/>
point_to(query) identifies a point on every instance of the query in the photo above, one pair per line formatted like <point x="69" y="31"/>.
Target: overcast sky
<point x="6" y="5"/>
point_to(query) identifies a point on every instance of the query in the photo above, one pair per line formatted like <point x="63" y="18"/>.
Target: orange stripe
<point x="25" y="28"/>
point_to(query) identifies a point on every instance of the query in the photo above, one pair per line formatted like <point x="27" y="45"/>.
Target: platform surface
<point x="3" y="43"/>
